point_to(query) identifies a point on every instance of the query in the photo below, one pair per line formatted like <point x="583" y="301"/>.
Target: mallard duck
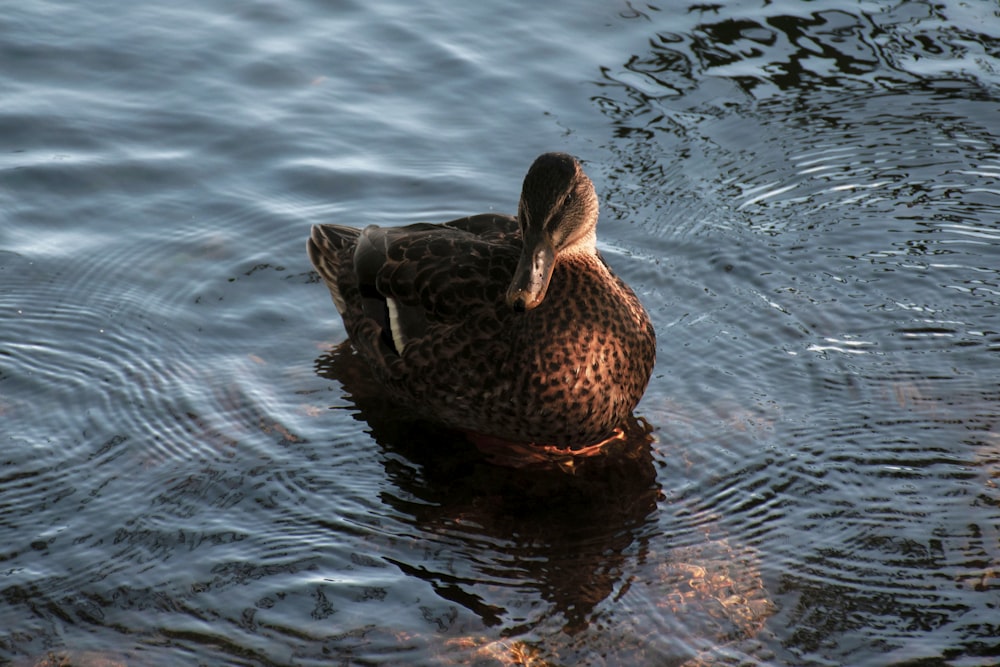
<point x="510" y="328"/>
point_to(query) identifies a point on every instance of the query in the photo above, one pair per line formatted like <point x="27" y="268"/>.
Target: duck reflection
<point x="555" y="528"/>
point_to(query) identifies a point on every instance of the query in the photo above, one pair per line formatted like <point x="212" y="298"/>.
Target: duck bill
<point x="531" y="277"/>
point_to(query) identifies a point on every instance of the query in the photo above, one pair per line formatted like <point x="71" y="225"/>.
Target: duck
<point x="511" y="329"/>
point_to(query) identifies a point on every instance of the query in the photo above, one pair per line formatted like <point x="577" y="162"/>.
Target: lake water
<point x="195" y="471"/>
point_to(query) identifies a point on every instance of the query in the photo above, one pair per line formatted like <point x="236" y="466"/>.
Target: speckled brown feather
<point x="565" y="373"/>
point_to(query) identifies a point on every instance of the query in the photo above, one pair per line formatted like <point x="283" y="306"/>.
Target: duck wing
<point x="422" y="280"/>
<point x="487" y="226"/>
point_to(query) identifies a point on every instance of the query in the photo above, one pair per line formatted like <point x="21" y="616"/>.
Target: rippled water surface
<point x="196" y="470"/>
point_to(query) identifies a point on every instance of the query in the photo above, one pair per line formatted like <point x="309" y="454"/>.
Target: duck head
<point x="558" y="218"/>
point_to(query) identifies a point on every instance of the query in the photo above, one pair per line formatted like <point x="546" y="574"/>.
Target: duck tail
<point x="329" y="246"/>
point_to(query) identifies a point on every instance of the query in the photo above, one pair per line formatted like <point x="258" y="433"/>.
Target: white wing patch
<point x="398" y="340"/>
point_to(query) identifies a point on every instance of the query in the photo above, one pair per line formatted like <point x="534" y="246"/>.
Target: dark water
<point x="195" y="471"/>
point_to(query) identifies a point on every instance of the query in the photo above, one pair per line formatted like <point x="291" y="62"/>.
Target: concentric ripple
<point x="804" y="195"/>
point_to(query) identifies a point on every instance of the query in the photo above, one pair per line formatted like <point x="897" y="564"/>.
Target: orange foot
<point x="523" y="454"/>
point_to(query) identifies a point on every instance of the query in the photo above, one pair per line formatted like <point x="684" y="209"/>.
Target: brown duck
<point x="512" y="328"/>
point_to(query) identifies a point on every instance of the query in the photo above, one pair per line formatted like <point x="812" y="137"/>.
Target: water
<point x="195" y="471"/>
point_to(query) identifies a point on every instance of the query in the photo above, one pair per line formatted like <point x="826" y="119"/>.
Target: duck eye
<point x="569" y="199"/>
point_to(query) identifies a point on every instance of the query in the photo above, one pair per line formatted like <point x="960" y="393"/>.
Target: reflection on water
<point x="804" y="195"/>
<point x="561" y="534"/>
<point x="537" y="550"/>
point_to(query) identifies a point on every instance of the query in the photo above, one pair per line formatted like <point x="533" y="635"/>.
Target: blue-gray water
<point x="806" y="196"/>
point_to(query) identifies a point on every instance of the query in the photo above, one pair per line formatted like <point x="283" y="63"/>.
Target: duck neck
<point x="584" y="245"/>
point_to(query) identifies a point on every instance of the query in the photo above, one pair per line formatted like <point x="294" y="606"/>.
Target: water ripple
<point x="804" y="195"/>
